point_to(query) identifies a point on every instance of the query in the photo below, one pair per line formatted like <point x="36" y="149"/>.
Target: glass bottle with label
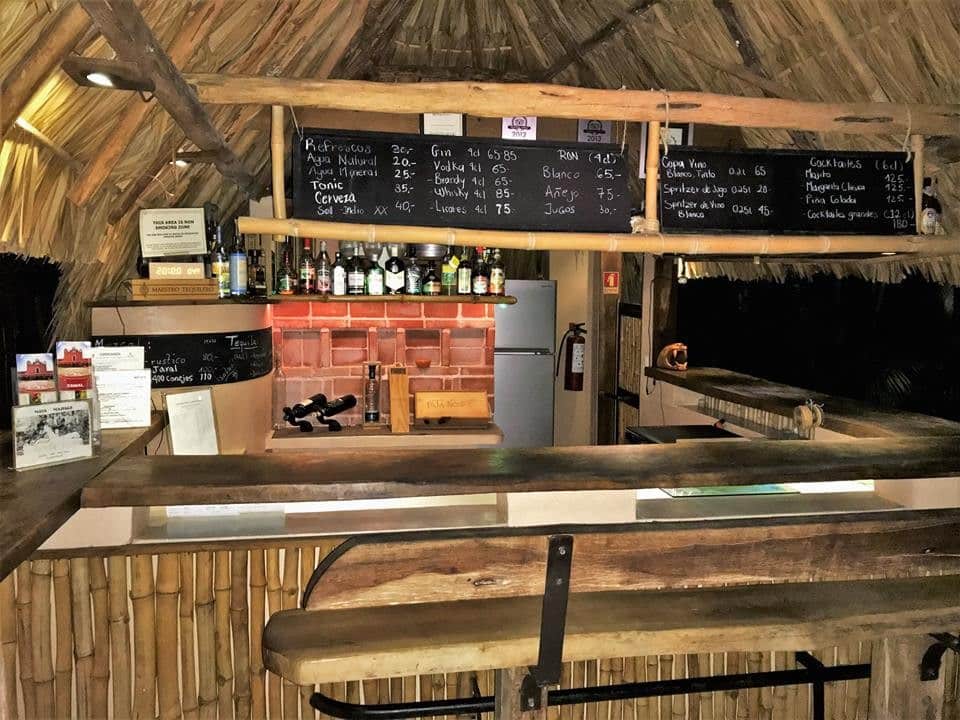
<point x="371" y="392"/>
<point x="481" y="274"/>
<point x="238" y="268"/>
<point x="375" y="279"/>
<point x="395" y="272"/>
<point x="323" y="270"/>
<point x="286" y="279"/>
<point x="431" y="281"/>
<point x="498" y="276"/>
<point x="338" y="276"/>
<point x="220" y="263"/>
<point x="464" y="274"/>
<point x="930" y="210"/>
<point x="413" y="284"/>
<point x="308" y="271"/>
<point x="356" y="275"/>
<point x="448" y="273"/>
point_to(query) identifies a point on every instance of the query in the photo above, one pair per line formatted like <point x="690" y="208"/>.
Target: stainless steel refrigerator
<point x="523" y="364"/>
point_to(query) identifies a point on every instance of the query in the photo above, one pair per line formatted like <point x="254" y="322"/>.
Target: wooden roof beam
<point x="498" y="100"/>
<point x="561" y="28"/>
<point x="54" y="43"/>
<point x="127" y="32"/>
<point x="131" y="119"/>
<point x="835" y="27"/>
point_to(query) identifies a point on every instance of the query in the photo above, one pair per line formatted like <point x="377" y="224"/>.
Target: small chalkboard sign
<point x="784" y="191"/>
<point x="444" y="181"/>
<point x="201" y="358"/>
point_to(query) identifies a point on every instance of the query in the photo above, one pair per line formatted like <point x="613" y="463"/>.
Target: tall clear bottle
<point x="324" y="279"/>
<point x="286" y="278"/>
<point x="465" y="274"/>
<point x="448" y="273"/>
<point x="307" y="271"/>
<point x="220" y="262"/>
<point x="238" y="267"/>
<point x="413" y="281"/>
<point x="338" y="276"/>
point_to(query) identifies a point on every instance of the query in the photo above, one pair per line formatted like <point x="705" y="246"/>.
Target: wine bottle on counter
<point x="431" y="281"/>
<point x="356" y="275"/>
<point x="286" y="279"/>
<point x="498" y="276"/>
<point x="323" y="270"/>
<point x="338" y="276"/>
<point x="307" y="272"/>
<point x="414" y="274"/>
<point x="238" y="267"/>
<point x="481" y="274"/>
<point x="464" y="274"/>
<point x="395" y="272"/>
<point x="448" y="273"/>
<point x="220" y="263"/>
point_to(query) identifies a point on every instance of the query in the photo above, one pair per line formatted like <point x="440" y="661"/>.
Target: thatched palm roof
<point x="898" y="50"/>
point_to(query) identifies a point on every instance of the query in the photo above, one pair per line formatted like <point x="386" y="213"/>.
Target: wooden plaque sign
<point x="454" y="404"/>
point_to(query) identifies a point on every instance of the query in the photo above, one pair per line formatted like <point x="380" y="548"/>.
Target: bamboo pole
<point x="240" y="626"/>
<point x="206" y="637"/>
<point x="63" y="664"/>
<point x="658" y="244"/>
<point x="144" y="638"/>
<point x="307" y="564"/>
<point x="258" y="586"/>
<point x="188" y="659"/>
<point x="652" y="180"/>
<point x="916" y="147"/>
<point x="168" y="592"/>
<point x="274" y="702"/>
<point x="8" y="649"/>
<point x="41" y="646"/>
<point x="119" y="638"/>
<point x="221" y="613"/>
<point x="276" y="164"/>
<point x="291" y="561"/>
<point x="57" y="39"/>
<point x="501" y="99"/>
<point x="25" y="639"/>
<point x="82" y="635"/>
<point x="101" y="638"/>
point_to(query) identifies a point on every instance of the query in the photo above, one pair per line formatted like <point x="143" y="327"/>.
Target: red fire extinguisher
<point x="574" y="345"/>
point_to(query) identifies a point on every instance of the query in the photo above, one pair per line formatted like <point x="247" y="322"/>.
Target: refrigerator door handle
<point x="522" y="351"/>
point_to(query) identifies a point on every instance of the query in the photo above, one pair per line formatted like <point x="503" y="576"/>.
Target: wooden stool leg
<point x="896" y="690"/>
<point x="507" y="697"/>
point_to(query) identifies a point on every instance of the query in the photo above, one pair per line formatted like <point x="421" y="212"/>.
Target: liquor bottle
<point x="498" y="276"/>
<point x="448" y="273"/>
<point x="414" y="273"/>
<point x="431" y="281"/>
<point x="307" y="271"/>
<point x="375" y="279"/>
<point x="338" y="276"/>
<point x="220" y="263"/>
<point x="930" y="210"/>
<point x="464" y="274"/>
<point x="323" y="270"/>
<point x="258" y="277"/>
<point x="371" y="392"/>
<point x="356" y="275"/>
<point x="395" y="271"/>
<point x="286" y="280"/>
<point x="238" y="268"/>
<point x="481" y="274"/>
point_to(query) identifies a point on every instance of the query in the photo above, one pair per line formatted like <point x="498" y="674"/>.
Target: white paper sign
<point x="519" y="127"/>
<point x="172" y="231"/>
<point x="117" y="358"/>
<point x="191" y="423"/>
<point x="124" y="398"/>
<point x="51" y="433"/>
<point x="594" y="131"/>
<point x="442" y="124"/>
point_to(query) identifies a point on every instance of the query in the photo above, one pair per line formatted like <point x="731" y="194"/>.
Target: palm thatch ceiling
<point x="830" y="50"/>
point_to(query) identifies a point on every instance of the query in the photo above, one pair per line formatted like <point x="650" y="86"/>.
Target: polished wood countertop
<point x="380" y="438"/>
<point x="35" y="503"/>
<point x="842" y="415"/>
<point x="356" y="475"/>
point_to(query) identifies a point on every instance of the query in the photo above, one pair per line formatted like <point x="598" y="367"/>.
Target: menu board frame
<point x="619" y="219"/>
<point x="785" y="192"/>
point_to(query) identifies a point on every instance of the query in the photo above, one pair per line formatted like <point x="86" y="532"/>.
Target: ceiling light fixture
<point x="110" y="74"/>
<point x="100" y="79"/>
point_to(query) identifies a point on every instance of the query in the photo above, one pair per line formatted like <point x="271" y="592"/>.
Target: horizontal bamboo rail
<point x="656" y="243"/>
<point x="178" y="582"/>
<point x="504" y="99"/>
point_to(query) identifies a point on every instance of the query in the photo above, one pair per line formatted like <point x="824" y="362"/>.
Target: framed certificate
<point x="191" y="423"/>
<point x="51" y="433"/>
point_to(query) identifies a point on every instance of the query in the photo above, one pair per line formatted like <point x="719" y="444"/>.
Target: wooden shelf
<point x="460" y="299"/>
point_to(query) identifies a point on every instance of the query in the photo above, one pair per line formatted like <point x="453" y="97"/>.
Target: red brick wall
<point x="324" y="344"/>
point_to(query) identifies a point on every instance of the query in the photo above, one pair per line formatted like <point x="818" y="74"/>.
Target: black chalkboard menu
<point x="201" y="358"/>
<point x="784" y="191"/>
<point x="443" y="181"/>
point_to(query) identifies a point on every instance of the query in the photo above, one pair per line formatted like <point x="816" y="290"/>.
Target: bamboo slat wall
<point x="193" y="651"/>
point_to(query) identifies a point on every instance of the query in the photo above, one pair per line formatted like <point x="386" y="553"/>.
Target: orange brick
<point x="367" y="310"/>
<point x="291" y="309"/>
<point x="404" y="323"/>
<point x="467" y="337"/>
<point x="321" y="323"/>
<point x="425" y="384"/>
<point x="292" y="351"/>
<point x="312" y="349"/>
<point x="349" y="386"/>
<point x="466" y="356"/>
<point x="423" y="338"/>
<point x="440" y="310"/>
<point x="477" y="383"/>
<point x="297" y="323"/>
<point x="348" y="339"/>
<point x="328" y="309"/>
<point x="404" y="310"/>
<point x="473" y="310"/>
<point x="348" y="356"/>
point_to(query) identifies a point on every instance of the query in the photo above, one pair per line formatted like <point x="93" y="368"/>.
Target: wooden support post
<point x="896" y="690"/>
<point x="507" y="697"/>
<point x="664" y="306"/>
<point x="607" y="344"/>
<point x="650" y="218"/>
<point x="277" y="152"/>
<point x="916" y="147"/>
<point x="56" y="40"/>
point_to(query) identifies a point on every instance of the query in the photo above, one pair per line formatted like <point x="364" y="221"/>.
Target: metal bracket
<point x="930" y="664"/>
<point x="553" y="621"/>
<point x="817" y="671"/>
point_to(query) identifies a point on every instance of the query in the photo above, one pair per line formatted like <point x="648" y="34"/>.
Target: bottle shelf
<point x="459" y="299"/>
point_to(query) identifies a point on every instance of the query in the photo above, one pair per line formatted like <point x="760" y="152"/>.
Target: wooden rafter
<point x="519" y="20"/>
<point x="380" y="26"/>
<point x="36" y="65"/>
<point x="358" y="11"/>
<point x="127" y="32"/>
<point x="131" y="119"/>
<point x="497" y="100"/>
<point x="561" y="28"/>
<point x="473" y="31"/>
<point x="835" y="26"/>
<point x="600" y="37"/>
<point x="416" y="73"/>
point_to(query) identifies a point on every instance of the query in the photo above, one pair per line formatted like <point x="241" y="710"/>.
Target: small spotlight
<point x="181" y="163"/>
<point x="100" y="79"/>
<point x="888" y="253"/>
